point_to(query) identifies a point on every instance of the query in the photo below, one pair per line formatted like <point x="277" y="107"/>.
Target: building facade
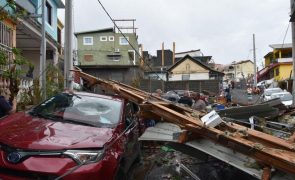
<point x="278" y="63"/>
<point x="189" y="68"/>
<point x="107" y="54"/>
<point x="29" y="28"/>
<point x="239" y="70"/>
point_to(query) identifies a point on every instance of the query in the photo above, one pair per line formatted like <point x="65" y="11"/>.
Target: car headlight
<point x="85" y="156"/>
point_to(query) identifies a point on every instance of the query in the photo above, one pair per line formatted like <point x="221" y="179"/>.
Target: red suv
<point x="70" y="136"/>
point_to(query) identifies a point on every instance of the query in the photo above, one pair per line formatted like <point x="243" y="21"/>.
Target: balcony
<point x="27" y="5"/>
<point x="283" y="60"/>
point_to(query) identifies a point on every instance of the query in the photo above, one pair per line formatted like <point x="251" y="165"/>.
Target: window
<point x="124" y="41"/>
<point x="188" y="68"/>
<point x="131" y="55"/>
<point x="111" y="38"/>
<point x="6" y="43"/>
<point x="88" y="57"/>
<point x="48" y="12"/>
<point x="277" y="71"/>
<point x="114" y="57"/>
<point x="87" y="40"/>
<point x="185" y="77"/>
<point x="103" y="38"/>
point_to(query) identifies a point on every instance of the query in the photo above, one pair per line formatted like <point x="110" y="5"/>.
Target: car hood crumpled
<point x="26" y="132"/>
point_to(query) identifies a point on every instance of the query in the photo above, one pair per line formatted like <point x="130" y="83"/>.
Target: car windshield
<point x="268" y="92"/>
<point x="283" y="97"/>
<point x="85" y="110"/>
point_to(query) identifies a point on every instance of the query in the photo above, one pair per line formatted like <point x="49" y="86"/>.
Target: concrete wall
<point x="124" y="75"/>
<point x="34" y="58"/>
<point x="198" y="85"/>
<point x="284" y="72"/>
<point x="101" y="49"/>
<point x="50" y="29"/>
<point x="194" y="76"/>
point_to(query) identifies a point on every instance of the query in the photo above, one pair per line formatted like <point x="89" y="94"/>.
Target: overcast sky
<point x="220" y="28"/>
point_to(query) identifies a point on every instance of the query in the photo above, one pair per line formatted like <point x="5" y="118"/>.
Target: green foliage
<point x="13" y="71"/>
<point x="3" y="58"/>
<point x="54" y="80"/>
<point x="16" y="12"/>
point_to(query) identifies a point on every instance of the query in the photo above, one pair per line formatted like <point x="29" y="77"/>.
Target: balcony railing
<point x="27" y="5"/>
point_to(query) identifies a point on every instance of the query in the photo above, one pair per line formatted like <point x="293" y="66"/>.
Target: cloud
<point x="220" y="28"/>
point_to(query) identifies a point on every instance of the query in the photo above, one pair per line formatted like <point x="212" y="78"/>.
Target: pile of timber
<point x="270" y="151"/>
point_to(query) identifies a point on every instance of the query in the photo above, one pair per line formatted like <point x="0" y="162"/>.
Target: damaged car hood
<point x="23" y="131"/>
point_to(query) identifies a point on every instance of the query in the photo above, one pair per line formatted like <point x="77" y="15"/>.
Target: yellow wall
<point x="267" y="61"/>
<point x="182" y="67"/>
<point x="284" y="72"/>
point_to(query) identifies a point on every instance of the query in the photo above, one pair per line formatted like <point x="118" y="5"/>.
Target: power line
<point x="127" y="39"/>
<point x="286" y="33"/>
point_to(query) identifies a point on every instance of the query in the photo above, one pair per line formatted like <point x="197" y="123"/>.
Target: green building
<point x="107" y="54"/>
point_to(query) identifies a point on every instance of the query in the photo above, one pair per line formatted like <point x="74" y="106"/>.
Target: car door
<point x="132" y="147"/>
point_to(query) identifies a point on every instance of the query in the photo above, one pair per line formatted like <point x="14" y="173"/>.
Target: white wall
<point x="195" y="76"/>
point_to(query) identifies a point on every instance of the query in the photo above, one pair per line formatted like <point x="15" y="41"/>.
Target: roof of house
<point x="281" y="46"/>
<point x="265" y="70"/>
<point x="188" y="51"/>
<point x="195" y="61"/>
<point x="95" y="31"/>
<point x="243" y="61"/>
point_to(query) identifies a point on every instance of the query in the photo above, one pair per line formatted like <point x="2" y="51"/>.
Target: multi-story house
<point x="7" y="31"/>
<point x="278" y="63"/>
<point x="107" y="54"/>
<point x="159" y="67"/>
<point x="239" y="70"/>
<point x="29" y="27"/>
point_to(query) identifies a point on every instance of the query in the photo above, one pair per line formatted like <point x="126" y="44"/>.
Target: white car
<point x="286" y="97"/>
<point x="268" y="92"/>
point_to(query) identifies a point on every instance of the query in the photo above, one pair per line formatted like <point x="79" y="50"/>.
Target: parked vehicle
<point x="268" y="92"/>
<point x="95" y="133"/>
<point x="286" y="97"/>
<point x="171" y="96"/>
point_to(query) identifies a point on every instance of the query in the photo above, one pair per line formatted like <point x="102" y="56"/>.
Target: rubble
<point x="265" y="149"/>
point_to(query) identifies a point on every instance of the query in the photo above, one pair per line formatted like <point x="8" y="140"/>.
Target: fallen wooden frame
<point x="270" y="151"/>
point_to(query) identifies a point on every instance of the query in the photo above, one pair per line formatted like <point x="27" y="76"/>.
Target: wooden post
<point x="142" y="56"/>
<point x="173" y="58"/>
<point x="163" y="55"/>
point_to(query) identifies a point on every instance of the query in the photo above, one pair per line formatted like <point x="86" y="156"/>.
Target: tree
<point x="13" y="69"/>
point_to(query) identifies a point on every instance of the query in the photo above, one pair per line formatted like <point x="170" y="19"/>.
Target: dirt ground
<point x="162" y="161"/>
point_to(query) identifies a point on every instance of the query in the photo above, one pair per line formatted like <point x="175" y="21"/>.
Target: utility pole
<point x="68" y="63"/>
<point x="254" y="59"/>
<point x="42" y="73"/>
<point x="293" y="51"/>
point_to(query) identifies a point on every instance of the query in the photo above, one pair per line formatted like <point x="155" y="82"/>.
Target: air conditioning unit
<point x="117" y="50"/>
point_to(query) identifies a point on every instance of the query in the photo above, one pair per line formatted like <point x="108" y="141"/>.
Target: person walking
<point x="228" y="96"/>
